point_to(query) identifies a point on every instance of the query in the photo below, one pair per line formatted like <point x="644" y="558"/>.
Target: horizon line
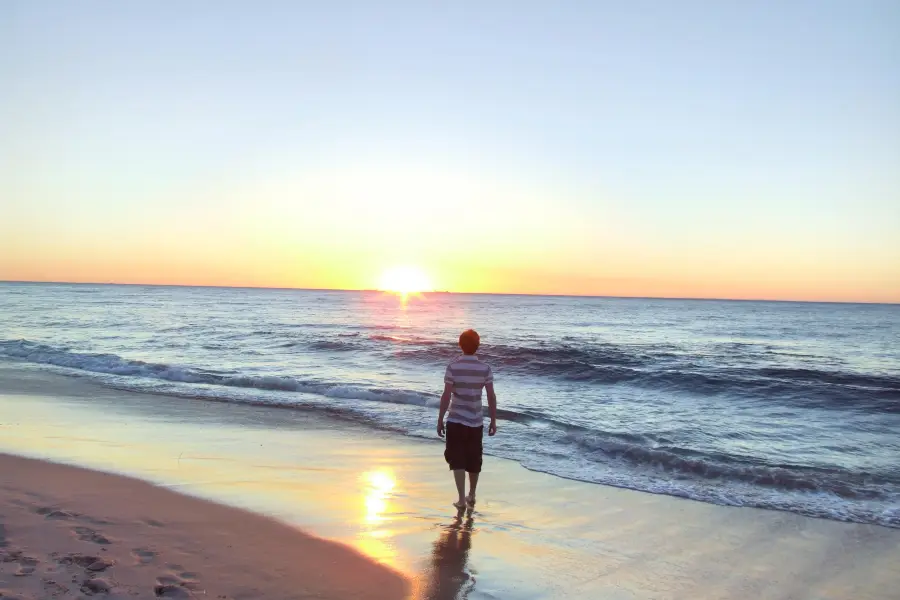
<point x="364" y="290"/>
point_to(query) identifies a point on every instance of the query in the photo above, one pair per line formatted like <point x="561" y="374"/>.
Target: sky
<point x="646" y="148"/>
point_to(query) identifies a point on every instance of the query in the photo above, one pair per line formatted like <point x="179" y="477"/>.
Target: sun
<point x="405" y="281"/>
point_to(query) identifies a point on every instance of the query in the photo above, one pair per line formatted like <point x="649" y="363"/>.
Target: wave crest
<point x="112" y="364"/>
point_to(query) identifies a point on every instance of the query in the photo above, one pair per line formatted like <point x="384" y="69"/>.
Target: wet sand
<point x="388" y="497"/>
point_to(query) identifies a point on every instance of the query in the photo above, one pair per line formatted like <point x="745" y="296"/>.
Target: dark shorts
<point x="464" y="448"/>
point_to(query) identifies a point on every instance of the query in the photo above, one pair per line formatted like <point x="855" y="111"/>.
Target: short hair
<point x="469" y="341"/>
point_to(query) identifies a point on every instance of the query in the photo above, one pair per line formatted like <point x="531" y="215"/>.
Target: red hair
<point x="469" y="341"/>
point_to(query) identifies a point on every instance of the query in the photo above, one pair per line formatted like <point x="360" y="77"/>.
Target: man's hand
<point x="445" y="404"/>
<point x="492" y="406"/>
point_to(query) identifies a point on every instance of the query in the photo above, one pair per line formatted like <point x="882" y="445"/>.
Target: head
<point x="469" y="341"/>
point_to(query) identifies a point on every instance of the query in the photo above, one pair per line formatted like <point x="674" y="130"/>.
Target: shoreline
<point x="387" y="496"/>
<point x="66" y="530"/>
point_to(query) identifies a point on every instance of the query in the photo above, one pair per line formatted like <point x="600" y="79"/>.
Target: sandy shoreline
<point x="66" y="532"/>
<point x="387" y="496"/>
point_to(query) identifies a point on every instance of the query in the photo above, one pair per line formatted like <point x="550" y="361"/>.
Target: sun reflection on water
<point x="375" y="539"/>
<point x="379" y="487"/>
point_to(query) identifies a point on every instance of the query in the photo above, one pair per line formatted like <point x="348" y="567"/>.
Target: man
<point x="464" y="379"/>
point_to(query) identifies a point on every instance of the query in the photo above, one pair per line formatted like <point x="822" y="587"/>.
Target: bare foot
<point x="470" y="501"/>
<point x="460" y="504"/>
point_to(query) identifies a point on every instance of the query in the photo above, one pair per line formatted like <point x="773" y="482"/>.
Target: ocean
<point x="778" y="405"/>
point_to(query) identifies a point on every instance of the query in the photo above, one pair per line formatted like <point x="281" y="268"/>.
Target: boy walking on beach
<point x="464" y="379"/>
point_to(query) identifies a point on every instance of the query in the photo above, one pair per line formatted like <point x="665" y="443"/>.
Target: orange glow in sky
<point x="699" y="152"/>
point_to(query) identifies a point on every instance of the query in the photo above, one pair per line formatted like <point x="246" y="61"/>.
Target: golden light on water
<point x="375" y="539"/>
<point x="380" y="485"/>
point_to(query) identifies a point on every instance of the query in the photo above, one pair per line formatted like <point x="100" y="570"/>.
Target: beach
<point x="383" y="502"/>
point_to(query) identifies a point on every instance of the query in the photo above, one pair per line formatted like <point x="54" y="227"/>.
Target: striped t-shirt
<point x="468" y="375"/>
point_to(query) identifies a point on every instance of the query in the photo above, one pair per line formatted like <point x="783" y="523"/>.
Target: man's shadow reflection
<point x="448" y="578"/>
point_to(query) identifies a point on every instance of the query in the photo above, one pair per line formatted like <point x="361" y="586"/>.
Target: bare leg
<point x="460" y="476"/>
<point x="473" y="483"/>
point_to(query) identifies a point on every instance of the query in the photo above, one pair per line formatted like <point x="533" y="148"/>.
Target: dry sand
<point x="67" y="532"/>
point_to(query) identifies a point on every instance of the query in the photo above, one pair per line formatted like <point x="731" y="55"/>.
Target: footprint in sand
<point x="86" y="534"/>
<point x="26" y="565"/>
<point x="100" y="565"/>
<point x="182" y="575"/>
<point x="177" y="586"/>
<point x="52" y="588"/>
<point x="95" y="564"/>
<point x="55" y="514"/>
<point x="154" y="523"/>
<point x="183" y="578"/>
<point x="143" y="556"/>
<point x="168" y="590"/>
<point x="10" y="555"/>
<point x="95" y="586"/>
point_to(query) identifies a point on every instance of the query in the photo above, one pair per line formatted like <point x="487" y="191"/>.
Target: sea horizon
<point x="426" y="292"/>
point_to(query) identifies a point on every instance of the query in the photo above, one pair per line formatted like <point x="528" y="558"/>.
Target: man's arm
<point x="492" y="406"/>
<point x="445" y="404"/>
